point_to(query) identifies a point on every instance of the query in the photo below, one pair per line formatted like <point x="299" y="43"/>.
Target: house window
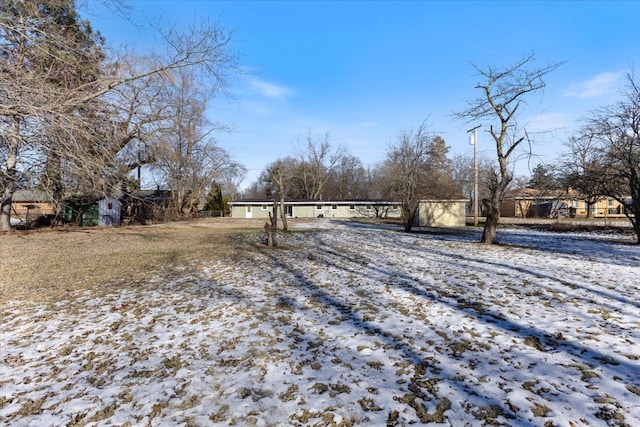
<point x="248" y="209"/>
<point x="368" y="207"/>
<point x="574" y="204"/>
<point x="288" y="211"/>
<point x="265" y="207"/>
<point x="334" y="206"/>
<point x="395" y="207"/>
<point x="109" y="206"/>
<point x="318" y="207"/>
<point x="610" y="201"/>
<point x="352" y="207"/>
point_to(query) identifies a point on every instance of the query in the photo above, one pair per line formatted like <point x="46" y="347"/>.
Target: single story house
<point x="260" y="208"/>
<point x="442" y="213"/>
<point x="534" y="203"/>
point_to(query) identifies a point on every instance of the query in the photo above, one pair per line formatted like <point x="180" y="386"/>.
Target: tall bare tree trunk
<point x="590" y="205"/>
<point x="492" y="221"/>
<point x="283" y="213"/>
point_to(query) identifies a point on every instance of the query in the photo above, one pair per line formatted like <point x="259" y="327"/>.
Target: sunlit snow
<point x="346" y="324"/>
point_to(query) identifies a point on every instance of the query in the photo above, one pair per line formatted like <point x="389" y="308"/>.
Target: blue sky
<point x="366" y="70"/>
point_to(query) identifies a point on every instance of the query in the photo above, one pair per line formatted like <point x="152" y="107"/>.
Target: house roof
<point x="537" y="194"/>
<point x="22" y="196"/>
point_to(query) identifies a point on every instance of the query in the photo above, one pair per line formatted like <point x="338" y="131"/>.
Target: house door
<point x="288" y="211"/>
<point x="249" y="214"/>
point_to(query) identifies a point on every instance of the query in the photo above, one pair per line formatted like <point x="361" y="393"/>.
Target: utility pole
<point x="473" y="140"/>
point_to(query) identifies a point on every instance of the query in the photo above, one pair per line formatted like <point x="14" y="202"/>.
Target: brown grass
<point x="47" y="264"/>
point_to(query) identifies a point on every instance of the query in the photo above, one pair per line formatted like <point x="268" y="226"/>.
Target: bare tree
<point x="463" y="175"/>
<point x="405" y="171"/>
<point x="232" y="177"/>
<point x="583" y="169"/>
<point x="187" y="157"/>
<point x="347" y="180"/>
<point x="49" y="97"/>
<point x="616" y="131"/>
<point x="46" y="52"/>
<point x="504" y="90"/>
<point x="316" y="164"/>
<point x="280" y="176"/>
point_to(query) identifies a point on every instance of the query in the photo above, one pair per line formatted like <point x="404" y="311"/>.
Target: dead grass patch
<point x="51" y="264"/>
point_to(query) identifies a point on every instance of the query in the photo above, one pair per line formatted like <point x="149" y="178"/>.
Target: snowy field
<point x="346" y="324"/>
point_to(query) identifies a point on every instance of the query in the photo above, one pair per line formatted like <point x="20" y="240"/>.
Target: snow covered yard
<point x="346" y="324"/>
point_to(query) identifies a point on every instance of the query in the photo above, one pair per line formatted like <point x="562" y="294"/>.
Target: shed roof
<point x="22" y="196"/>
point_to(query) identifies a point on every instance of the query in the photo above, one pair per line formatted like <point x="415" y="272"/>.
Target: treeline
<point x="77" y="118"/>
<point x="416" y="167"/>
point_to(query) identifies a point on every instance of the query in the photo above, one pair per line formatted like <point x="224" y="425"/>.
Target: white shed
<point x="109" y="211"/>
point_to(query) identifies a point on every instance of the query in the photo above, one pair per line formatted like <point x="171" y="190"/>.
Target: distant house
<point x="442" y="213"/>
<point x="260" y="208"/>
<point x="533" y="203"/>
<point x="27" y="205"/>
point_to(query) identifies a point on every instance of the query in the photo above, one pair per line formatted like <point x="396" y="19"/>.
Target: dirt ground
<point x="45" y="263"/>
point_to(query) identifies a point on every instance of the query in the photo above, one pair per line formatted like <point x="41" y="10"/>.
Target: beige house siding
<point x="442" y="213"/>
<point x="509" y="208"/>
<point x="519" y="204"/>
<point x="607" y="207"/>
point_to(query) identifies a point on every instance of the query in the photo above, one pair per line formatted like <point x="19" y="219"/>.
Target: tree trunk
<point x="283" y="213"/>
<point x="633" y="215"/>
<point x="9" y="181"/>
<point x="491" y="224"/>
<point x="271" y="227"/>
<point x="590" y="209"/>
<point x="408" y="217"/>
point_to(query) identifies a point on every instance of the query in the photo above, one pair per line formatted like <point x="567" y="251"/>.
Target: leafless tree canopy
<point x="417" y="168"/>
<point x="187" y="159"/>
<point x="504" y="91"/>
<point x="73" y="119"/>
<point x="609" y="144"/>
<point x="311" y="174"/>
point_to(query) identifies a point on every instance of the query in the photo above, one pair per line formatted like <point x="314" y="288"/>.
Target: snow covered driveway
<point x="351" y="324"/>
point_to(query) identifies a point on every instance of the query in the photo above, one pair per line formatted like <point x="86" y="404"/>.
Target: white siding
<point x="314" y="209"/>
<point x="109" y="210"/>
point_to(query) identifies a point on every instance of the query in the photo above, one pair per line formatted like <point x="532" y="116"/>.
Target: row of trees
<point x="76" y="118"/>
<point x="603" y="157"/>
<point x="416" y="167"/>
